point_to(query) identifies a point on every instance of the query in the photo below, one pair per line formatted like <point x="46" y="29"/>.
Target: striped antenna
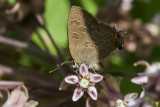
<point x="59" y="65"/>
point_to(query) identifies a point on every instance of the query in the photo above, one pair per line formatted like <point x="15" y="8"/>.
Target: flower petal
<point x="140" y="80"/>
<point x="18" y="97"/>
<point x="83" y="70"/>
<point x="142" y="95"/>
<point x="135" y="103"/>
<point x="96" y="78"/>
<point x="92" y="92"/>
<point x="119" y="103"/>
<point x="73" y="79"/>
<point x="130" y="97"/>
<point x="153" y="69"/>
<point x="78" y="92"/>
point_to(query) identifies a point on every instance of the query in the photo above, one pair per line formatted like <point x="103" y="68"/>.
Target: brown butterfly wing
<point x="89" y="40"/>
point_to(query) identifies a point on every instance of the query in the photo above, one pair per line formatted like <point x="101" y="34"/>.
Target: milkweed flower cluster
<point x="85" y="82"/>
<point x="150" y="80"/>
<point x="110" y="94"/>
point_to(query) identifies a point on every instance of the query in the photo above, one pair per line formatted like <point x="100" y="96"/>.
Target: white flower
<point x="85" y="81"/>
<point x="19" y="98"/>
<point x="141" y="79"/>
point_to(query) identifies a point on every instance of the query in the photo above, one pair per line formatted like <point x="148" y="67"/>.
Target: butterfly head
<point x="119" y="40"/>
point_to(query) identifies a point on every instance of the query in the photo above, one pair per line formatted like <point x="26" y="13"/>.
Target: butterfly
<point x="91" y="41"/>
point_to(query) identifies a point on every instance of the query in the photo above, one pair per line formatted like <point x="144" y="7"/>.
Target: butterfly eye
<point x="117" y="36"/>
<point x="119" y="43"/>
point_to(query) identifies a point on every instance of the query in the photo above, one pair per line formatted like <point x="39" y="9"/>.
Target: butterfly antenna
<point x="122" y="31"/>
<point x="128" y="37"/>
<point x="125" y="37"/>
<point x="60" y="65"/>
